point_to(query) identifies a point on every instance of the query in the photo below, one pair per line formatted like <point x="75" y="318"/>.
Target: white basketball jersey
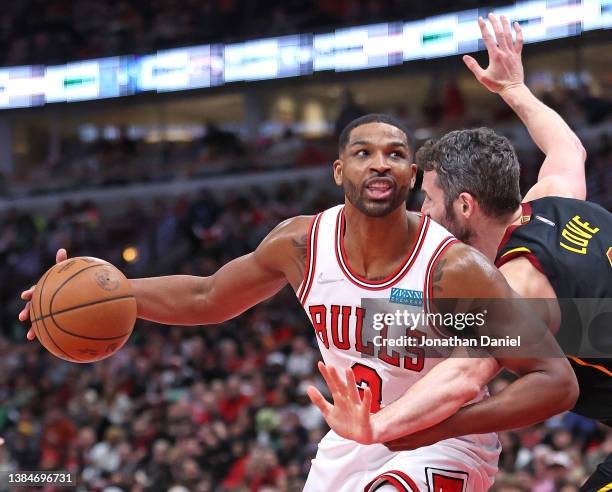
<point x="332" y="294"/>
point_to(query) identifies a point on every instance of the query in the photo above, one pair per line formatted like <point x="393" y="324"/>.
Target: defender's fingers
<point x="61" y="255"/>
<point x="317" y="398"/>
<point x="474" y="67"/>
<point x="339" y="384"/>
<point x="486" y="35"/>
<point x="352" y="390"/>
<point x="367" y="400"/>
<point x="518" y="46"/>
<point x="507" y="34"/>
<point x="325" y="372"/>
<point x="499" y="34"/>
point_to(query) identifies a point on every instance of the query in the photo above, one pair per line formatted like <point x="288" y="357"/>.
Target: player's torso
<point x="341" y="304"/>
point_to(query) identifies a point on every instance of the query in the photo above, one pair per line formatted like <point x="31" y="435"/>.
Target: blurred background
<point x="171" y="136"/>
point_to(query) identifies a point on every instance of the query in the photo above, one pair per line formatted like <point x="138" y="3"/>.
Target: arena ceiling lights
<point x="355" y="48"/>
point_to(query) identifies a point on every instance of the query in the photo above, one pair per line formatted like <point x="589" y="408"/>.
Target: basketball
<point x="83" y="310"/>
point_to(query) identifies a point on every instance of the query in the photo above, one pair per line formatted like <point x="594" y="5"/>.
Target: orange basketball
<point x="83" y="309"/>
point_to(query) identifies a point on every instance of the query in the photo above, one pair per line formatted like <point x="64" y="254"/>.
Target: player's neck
<point x="491" y="232"/>
<point x="373" y="244"/>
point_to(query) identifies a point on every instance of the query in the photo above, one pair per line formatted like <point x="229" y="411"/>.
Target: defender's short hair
<point x="476" y="161"/>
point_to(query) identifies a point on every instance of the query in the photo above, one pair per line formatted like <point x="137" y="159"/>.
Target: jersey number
<point x="365" y="375"/>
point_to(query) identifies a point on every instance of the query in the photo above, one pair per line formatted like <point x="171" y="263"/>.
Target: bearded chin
<point x="461" y="232"/>
<point x="372" y="208"/>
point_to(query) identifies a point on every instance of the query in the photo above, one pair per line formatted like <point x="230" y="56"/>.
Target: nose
<point x="379" y="163"/>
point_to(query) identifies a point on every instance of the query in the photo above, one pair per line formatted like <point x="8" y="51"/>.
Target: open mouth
<point x="379" y="188"/>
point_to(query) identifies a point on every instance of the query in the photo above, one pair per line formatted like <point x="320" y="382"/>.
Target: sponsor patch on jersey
<point x="406" y="296"/>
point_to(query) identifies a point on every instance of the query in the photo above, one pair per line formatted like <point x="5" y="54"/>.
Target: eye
<point x="396" y="154"/>
<point x="361" y="153"/>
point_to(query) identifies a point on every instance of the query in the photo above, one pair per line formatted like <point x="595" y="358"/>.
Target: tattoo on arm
<point x="443" y="305"/>
<point x="437" y="275"/>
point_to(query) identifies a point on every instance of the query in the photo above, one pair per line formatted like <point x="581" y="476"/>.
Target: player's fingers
<point x="61" y="255"/>
<point x="507" y="34"/>
<point x="486" y="35"/>
<point x="518" y="47"/>
<point x="474" y="67"/>
<point x="352" y="391"/>
<point x="31" y="335"/>
<point x="26" y="295"/>
<point x="1" y="441"/>
<point x="319" y="400"/>
<point x="499" y="35"/>
<point x="25" y="312"/>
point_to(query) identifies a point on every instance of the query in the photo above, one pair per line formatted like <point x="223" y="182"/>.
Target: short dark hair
<point x="345" y="134"/>
<point x="476" y="161"/>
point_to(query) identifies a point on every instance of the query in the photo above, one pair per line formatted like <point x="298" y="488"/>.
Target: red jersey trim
<point x="391" y="279"/>
<point x="311" y="259"/>
<point x="525" y="217"/>
<point x="397" y="478"/>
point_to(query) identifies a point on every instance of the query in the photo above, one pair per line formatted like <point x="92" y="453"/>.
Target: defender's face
<point x="376" y="169"/>
<point x="433" y="199"/>
<point x="434" y="205"/>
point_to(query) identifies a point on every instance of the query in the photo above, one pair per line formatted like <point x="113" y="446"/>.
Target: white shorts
<point x="466" y="464"/>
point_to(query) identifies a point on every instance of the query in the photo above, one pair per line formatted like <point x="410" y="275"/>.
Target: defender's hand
<point x="505" y="68"/>
<point x="349" y="416"/>
<point x="26" y="295"/>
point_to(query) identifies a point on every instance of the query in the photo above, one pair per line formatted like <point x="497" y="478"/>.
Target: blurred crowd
<point x="217" y="408"/>
<point x="57" y="31"/>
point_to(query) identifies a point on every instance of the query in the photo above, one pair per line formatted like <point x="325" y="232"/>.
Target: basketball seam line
<point x="42" y="287"/>
<point x="123" y="335"/>
<point x="63" y="284"/>
<point x="93" y="303"/>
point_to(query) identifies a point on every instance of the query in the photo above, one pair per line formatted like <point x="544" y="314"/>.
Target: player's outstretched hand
<point x="349" y="416"/>
<point x="505" y="68"/>
<point x="26" y="295"/>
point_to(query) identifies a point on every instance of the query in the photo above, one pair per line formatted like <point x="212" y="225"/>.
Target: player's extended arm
<point x="546" y="386"/>
<point x="234" y="288"/>
<point x="562" y="173"/>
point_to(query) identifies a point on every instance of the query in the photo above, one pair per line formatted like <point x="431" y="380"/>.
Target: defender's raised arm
<point x="562" y="173"/>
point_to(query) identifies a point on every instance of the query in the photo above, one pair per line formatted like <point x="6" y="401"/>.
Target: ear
<point x="338" y="164"/>
<point x="413" y="170"/>
<point x="466" y="205"/>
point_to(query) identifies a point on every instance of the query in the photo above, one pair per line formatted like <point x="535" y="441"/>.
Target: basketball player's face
<point x="376" y="169"/>
<point x="434" y="205"/>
